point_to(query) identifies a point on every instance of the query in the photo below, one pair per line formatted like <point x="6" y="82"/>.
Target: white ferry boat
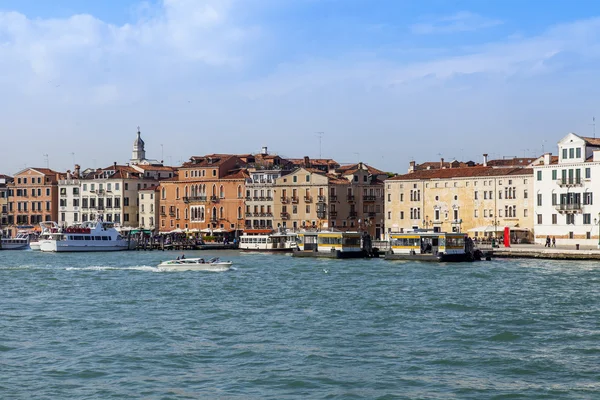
<point x="20" y="242"/>
<point x="281" y="241"/>
<point x="432" y="246"/>
<point x="46" y="230"/>
<point x="89" y="236"/>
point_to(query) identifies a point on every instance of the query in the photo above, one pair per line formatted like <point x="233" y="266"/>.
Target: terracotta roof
<point x="203" y="161"/>
<point x="237" y="174"/>
<point x="511" y="162"/>
<point x="438" y="165"/>
<point x="352" y="168"/>
<point x="591" y="141"/>
<point x="313" y="161"/>
<point x="156" y="167"/>
<point x="5" y="176"/>
<point x="468" y="172"/>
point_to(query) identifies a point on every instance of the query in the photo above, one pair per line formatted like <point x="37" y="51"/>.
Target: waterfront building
<point x="207" y="195"/>
<point x="479" y="199"/>
<point x="149" y="200"/>
<point x="33" y="198"/>
<point x="110" y="193"/>
<point x="350" y="198"/>
<point x="4" y="181"/>
<point x="263" y="169"/>
<point x="567" y="202"/>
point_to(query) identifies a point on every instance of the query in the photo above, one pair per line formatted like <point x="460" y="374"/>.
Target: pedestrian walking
<point x="553" y="241"/>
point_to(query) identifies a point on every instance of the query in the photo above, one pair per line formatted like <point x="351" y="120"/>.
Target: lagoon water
<point x="111" y="325"/>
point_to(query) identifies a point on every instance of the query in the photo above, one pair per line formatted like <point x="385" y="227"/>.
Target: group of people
<point x="550" y="242"/>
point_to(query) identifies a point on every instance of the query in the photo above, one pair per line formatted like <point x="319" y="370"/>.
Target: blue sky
<point x="387" y="81"/>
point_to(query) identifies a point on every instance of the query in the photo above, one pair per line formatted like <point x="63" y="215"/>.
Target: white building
<point x="149" y="200"/>
<point x="110" y="193"/>
<point x="567" y="203"/>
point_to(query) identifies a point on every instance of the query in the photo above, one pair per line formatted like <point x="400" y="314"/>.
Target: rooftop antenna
<point x="162" y="155"/>
<point x="594" y="126"/>
<point x="47" y="159"/>
<point x="320" y="134"/>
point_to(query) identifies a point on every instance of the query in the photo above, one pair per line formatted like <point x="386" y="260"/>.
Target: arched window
<point x="240" y="212"/>
<point x="214" y="213"/>
<point x="221" y="192"/>
<point x="164" y="193"/>
<point x="221" y="213"/>
<point x="214" y="190"/>
<point x="176" y="192"/>
<point x="239" y="192"/>
<point x="186" y="213"/>
<point x="185" y="191"/>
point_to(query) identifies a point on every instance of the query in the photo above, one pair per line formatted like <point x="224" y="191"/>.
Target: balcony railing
<point x="333" y="214"/>
<point x="295" y="200"/>
<point x="190" y="199"/>
<point x="372" y="214"/>
<point x="307" y="199"/>
<point x="248" y="214"/>
<point x="569" y="182"/>
<point x="284" y="200"/>
<point x="569" y="207"/>
<point x="321" y="199"/>
<point x="285" y="215"/>
<point x="214" y="199"/>
<point x="321" y="214"/>
<point x="350" y="197"/>
<point x="369" y="198"/>
<point x="332" y="197"/>
<point x="352" y="214"/>
<point x="248" y="198"/>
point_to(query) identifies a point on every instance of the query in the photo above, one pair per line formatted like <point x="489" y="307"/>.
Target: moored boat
<point x="46" y="230"/>
<point x="196" y="264"/>
<point x="86" y="237"/>
<point x="432" y="246"/>
<point x="20" y="242"/>
<point x="330" y="244"/>
<point x="278" y="242"/>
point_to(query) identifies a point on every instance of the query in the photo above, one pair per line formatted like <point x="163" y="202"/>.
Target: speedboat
<point x="196" y="264"/>
<point x="47" y="228"/>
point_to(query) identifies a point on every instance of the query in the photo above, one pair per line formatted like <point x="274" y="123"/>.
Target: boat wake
<point x="145" y="268"/>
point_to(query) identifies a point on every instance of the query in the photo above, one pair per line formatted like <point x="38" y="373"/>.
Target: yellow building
<point x="478" y="200"/>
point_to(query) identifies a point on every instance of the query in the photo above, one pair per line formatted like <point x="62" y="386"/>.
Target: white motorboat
<point x="47" y="228"/>
<point x="20" y="242"/>
<point x="88" y="236"/>
<point x="196" y="264"/>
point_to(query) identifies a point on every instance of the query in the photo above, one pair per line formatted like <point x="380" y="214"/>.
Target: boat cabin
<point x="329" y="241"/>
<point x="430" y="243"/>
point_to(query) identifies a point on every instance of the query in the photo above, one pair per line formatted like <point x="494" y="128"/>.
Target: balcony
<point x="284" y="200"/>
<point x="372" y="214"/>
<point x="332" y="197"/>
<point x="573" y="207"/>
<point x="368" y="198"/>
<point x="214" y="199"/>
<point x="285" y="215"/>
<point x="350" y="197"/>
<point x="255" y="198"/>
<point x="248" y="198"/>
<point x="214" y="219"/>
<point x="269" y="214"/>
<point x="172" y="213"/>
<point x="321" y="199"/>
<point x="321" y="214"/>
<point x="333" y="214"/>
<point x="163" y="214"/>
<point x="307" y="199"/>
<point x="352" y="214"/>
<point x="256" y="214"/>
<point x="248" y="215"/>
<point x="295" y="200"/>
<point x="569" y="182"/>
<point x="193" y="199"/>
<point x="268" y="198"/>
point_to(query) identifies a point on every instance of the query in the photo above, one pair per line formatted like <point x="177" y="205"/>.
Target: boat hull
<point x="35" y="246"/>
<point x="463" y="257"/>
<point x="14" y="246"/>
<point x="209" y="267"/>
<point x="59" y="247"/>
<point x="333" y="254"/>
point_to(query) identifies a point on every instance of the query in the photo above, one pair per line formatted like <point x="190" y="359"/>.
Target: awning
<point x="206" y="230"/>
<point x="499" y="228"/>
<point x="178" y="230"/>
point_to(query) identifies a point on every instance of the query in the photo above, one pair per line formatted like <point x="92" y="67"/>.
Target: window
<point x="525" y="194"/>
<point x="554" y="196"/>
<point x="389" y="215"/>
<point x="539" y="199"/>
<point x="401" y="215"/>
<point x="485" y="195"/>
<point x="588" y="198"/>
<point x="571" y="153"/>
<point x="539" y="175"/>
<point x="307" y="178"/>
<point x="389" y="197"/>
<point x="539" y="219"/>
<point x="554" y="219"/>
<point x="476" y="214"/>
<point x="475" y="195"/>
<point x="554" y="172"/>
<point x="525" y="213"/>
<point x="564" y="153"/>
<point x="587" y="218"/>
<point x="588" y="173"/>
<point x="578" y="152"/>
<point x="570" y="219"/>
<point x="295" y="179"/>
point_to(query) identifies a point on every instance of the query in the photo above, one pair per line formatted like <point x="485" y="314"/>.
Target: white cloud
<point x="463" y="21"/>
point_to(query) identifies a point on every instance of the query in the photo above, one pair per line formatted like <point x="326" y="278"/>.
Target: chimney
<point x="306" y="162"/>
<point x="264" y="151"/>
<point x="115" y="165"/>
<point x="69" y="174"/>
<point x="548" y="158"/>
<point x="485" y="160"/>
<point x="77" y="170"/>
<point x="412" y="167"/>
<point x="442" y="163"/>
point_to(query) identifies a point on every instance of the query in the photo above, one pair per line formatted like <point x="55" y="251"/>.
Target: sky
<point x="386" y="81"/>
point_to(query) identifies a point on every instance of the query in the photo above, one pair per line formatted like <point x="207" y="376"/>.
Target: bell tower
<point x="139" y="154"/>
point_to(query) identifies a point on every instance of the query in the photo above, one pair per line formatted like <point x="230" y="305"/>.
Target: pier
<point x="559" y="252"/>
